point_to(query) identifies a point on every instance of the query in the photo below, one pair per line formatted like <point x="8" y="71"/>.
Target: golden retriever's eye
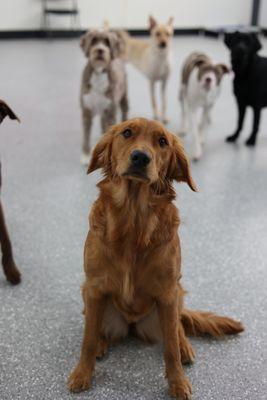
<point x="158" y="34"/>
<point x="127" y="133"/>
<point x="162" y="141"/>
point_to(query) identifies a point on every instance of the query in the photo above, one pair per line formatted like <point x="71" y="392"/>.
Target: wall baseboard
<point x="64" y="34"/>
<point x="69" y="34"/>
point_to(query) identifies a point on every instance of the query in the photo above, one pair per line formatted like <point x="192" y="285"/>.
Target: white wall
<point x="263" y="14"/>
<point x="26" y="14"/>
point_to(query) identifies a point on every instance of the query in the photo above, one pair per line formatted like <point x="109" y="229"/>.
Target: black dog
<point x="250" y="81"/>
<point x="10" y="269"/>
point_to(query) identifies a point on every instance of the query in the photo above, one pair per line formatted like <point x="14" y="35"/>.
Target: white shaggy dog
<point x="200" y="87"/>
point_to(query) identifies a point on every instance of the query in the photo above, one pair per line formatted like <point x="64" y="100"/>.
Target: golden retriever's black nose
<point x="162" y="45"/>
<point x="139" y="158"/>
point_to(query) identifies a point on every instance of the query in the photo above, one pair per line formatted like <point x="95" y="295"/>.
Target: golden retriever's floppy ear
<point x="101" y="154"/>
<point x="5" y="111"/>
<point x="179" y="168"/>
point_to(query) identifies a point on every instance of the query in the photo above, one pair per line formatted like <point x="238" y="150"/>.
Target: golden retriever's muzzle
<point x="139" y="161"/>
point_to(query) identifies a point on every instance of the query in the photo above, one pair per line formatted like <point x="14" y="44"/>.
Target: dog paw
<point x="102" y="348"/>
<point x="250" y="141"/>
<point x="85" y="158"/>
<point x="187" y="354"/>
<point x="231" y="138"/>
<point x="181" y="390"/>
<point x="79" y="379"/>
<point x="12" y="273"/>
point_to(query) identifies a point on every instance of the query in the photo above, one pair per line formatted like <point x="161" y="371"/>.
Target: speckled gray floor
<point x="47" y="198"/>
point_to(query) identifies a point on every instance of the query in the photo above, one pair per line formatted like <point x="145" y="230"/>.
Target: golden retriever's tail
<point x="197" y="323"/>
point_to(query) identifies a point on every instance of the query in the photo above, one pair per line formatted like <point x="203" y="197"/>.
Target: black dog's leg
<point x="252" y="139"/>
<point x="241" y="116"/>
<point x="11" y="271"/>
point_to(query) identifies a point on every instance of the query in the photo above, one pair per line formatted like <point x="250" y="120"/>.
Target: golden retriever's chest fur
<point x="133" y="251"/>
<point x="139" y="306"/>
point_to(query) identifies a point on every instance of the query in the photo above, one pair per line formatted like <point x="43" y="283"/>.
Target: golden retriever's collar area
<point x="129" y="203"/>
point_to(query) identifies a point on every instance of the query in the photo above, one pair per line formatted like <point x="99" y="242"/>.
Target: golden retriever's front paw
<point x="79" y="379"/>
<point x="181" y="389"/>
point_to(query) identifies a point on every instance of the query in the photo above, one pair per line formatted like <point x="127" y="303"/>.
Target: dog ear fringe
<point x="5" y="111"/>
<point x="101" y="154"/>
<point x="179" y="169"/>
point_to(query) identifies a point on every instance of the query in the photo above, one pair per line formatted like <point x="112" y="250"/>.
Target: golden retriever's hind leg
<point x="186" y="348"/>
<point x="102" y="347"/>
<point x="148" y="328"/>
<point x="114" y="326"/>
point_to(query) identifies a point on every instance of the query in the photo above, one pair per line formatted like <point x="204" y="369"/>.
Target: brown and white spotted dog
<point x="104" y="83"/>
<point x="200" y="86"/>
<point x="10" y="269"/>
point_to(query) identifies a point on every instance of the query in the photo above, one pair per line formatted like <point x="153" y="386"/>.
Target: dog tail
<point x="198" y="323"/>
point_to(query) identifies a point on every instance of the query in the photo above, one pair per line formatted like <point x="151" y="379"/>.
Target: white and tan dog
<point x="200" y="86"/>
<point x="153" y="60"/>
<point x="104" y="84"/>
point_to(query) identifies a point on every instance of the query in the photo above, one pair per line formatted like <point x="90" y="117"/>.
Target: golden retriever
<point x="132" y="256"/>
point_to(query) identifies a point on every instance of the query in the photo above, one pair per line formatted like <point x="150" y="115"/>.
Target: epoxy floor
<point x="47" y="196"/>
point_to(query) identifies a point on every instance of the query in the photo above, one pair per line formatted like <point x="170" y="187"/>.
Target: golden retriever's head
<point x="142" y="150"/>
<point x="100" y="47"/>
<point x="161" y="34"/>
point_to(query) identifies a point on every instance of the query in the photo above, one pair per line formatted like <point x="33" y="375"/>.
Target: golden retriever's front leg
<point x="80" y="378"/>
<point x="179" y="386"/>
